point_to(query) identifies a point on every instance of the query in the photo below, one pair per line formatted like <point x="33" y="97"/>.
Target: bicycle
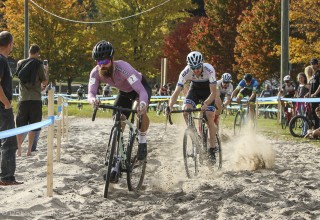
<point x="195" y="143"/>
<point x="121" y="154"/>
<point x="240" y="119"/>
<point x="287" y="115"/>
<point x="300" y="124"/>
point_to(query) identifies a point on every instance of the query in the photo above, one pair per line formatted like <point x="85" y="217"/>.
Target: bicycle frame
<point x="119" y="155"/>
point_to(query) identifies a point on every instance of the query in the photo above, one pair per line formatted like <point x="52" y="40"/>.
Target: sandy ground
<point x="261" y="179"/>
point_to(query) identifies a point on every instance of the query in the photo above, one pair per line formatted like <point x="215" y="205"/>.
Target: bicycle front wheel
<point x="219" y="153"/>
<point x="190" y="153"/>
<point x="237" y="124"/>
<point x="135" y="169"/>
<point x="111" y="162"/>
<point x="299" y="126"/>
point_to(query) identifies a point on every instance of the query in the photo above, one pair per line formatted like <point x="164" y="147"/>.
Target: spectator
<point x="30" y="104"/>
<point x="315" y="93"/>
<point x="288" y="90"/>
<point x="163" y="90"/>
<point x="156" y="86"/>
<point x="169" y="88"/>
<point x="311" y="69"/>
<point x="302" y="91"/>
<point x="106" y="90"/>
<point x="80" y="92"/>
<point x="267" y="92"/>
<point x="314" y="133"/>
<point x="8" y="146"/>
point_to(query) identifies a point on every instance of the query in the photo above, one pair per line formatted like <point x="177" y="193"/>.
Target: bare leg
<point x="30" y="142"/>
<point x="212" y="128"/>
<point x="20" y="138"/>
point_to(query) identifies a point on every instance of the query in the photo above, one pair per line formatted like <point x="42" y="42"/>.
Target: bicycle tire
<point x="204" y="140"/>
<point x="237" y="123"/>
<point x="190" y="153"/>
<point x="219" y="153"/>
<point x="114" y="141"/>
<point x="299" y="126"/>
<point x="135" y="169"/>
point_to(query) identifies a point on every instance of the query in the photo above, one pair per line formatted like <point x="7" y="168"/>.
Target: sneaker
<point x="142" y="151"/>
<point x="212" y="154"/>
<point x="9" y="183"/>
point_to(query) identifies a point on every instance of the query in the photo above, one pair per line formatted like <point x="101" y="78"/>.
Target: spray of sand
<point x="248" y="151"/>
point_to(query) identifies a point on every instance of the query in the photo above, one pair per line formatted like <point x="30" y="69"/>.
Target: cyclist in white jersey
<point x="225" y="89"/>
<point x="131" y="84"/>
<point x="203" y="88"/>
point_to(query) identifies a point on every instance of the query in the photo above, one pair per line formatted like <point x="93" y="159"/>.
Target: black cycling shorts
<point x="29" y="112"/>
<point x="197" y="96"/>
<point x="126" y="99"/>
<point x="246" y="92"/>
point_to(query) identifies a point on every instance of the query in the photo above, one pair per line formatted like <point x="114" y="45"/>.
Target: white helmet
<point x="287" y="78"/>
<point x="194" y="59"/>
<point x="226" y="77"/>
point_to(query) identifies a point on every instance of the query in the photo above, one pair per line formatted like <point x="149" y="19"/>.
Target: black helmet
<point x="314" y="61"/>
<point x="102" y="50"/>
<point x="247" y="77"/>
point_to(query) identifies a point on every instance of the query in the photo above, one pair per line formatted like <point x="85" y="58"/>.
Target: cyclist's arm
<point x="254" y="90"/>
<point x="175" y="96"/>
<point x="253" y="95"/>
<point x="235" y="92"/>
<point x="229" y="93"/>
<point x="213" y="93"/>
<point x="93" y="85"/>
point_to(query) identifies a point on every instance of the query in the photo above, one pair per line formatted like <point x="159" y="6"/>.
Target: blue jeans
<point x="8" y="146"/>
<point x="35" y="141"/>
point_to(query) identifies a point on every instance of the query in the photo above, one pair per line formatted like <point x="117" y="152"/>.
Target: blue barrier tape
<point x="27" y="128"/>
<point x="51" y="118"/>
<point x="59" y="108"/>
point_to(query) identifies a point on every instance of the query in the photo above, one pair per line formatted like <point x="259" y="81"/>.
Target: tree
<point x="259" y="36"/>
<point x="66" y="45"/>
<point x="176" y="48"/>
<point x="139" y="40"/>
<point x="215" y="35"/>
<point x="304" y="32"/>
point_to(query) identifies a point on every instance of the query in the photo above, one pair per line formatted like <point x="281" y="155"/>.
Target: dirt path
<point x="288" y="188"/>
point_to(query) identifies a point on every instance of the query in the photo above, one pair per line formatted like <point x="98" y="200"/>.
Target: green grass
<point x="268" y="127"/>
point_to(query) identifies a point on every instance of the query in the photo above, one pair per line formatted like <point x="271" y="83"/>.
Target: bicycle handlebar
<point x="180" y="111"/>
<point x="117" y="108"/>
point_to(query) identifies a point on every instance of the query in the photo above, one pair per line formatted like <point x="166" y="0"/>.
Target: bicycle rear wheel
<point x="299" y="126"/>
<point x="111" y="161"/>
<point x="190" y="153"/>
<point x="135" y="169"/>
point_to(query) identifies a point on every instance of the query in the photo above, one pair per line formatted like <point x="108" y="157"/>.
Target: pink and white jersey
<point x="125" y="78"/>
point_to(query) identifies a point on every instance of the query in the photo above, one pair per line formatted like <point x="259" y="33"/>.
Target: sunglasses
<point x="225" y="82"/>
<point x="103" y="62"/>
<point x="196" y="67"/>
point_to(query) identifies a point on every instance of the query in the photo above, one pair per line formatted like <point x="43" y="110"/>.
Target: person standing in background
<point x="311" y="69"/>
<point x="31" y="83"/>
<point x="315" y="93"/>
<point x="8" y="146"/>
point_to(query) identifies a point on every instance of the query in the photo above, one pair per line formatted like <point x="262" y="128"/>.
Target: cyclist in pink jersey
<point x="132" y="86"/>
